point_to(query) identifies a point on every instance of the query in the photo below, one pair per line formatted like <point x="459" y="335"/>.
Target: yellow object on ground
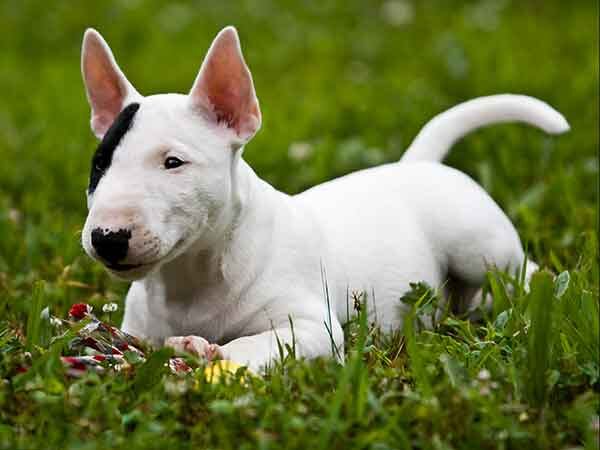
<point x="224" y="368"/>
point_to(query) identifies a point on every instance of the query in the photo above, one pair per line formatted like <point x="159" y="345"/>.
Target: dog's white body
<point x="260" y="258"/>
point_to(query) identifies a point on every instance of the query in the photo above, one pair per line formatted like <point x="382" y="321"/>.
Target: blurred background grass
<point x="343" y="85"/>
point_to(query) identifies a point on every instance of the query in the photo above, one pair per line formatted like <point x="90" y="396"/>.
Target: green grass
<point x="352" y="82"/>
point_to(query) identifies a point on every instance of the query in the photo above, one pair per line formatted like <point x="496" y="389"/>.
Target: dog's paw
<point x="195" y="345"/>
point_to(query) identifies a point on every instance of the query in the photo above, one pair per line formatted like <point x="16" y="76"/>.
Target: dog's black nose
<point x="111" y="246"/>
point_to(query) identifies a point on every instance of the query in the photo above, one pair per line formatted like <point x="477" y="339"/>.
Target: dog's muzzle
<point x="112" y="247"/>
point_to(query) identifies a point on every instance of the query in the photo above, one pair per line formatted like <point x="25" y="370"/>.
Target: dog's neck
<point x="225" y="259"/>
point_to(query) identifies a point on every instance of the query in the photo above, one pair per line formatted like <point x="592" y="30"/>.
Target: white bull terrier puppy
<point x="221" y="262"/>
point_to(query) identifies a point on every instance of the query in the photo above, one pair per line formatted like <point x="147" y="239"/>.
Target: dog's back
<point x="419" y="220"/>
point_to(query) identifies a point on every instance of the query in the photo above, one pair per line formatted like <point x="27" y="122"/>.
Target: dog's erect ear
<point x="108" y="91"/>
<point x="224" y="90"/>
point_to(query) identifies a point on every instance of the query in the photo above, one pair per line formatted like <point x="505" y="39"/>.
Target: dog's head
<point x="163" y="175"/>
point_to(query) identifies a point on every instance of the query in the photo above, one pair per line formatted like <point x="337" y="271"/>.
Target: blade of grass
<point x="34" y="323"/>
<point x="539" y="339"/>
<point x="352" y="374"/>
<point x="416" y="362"/>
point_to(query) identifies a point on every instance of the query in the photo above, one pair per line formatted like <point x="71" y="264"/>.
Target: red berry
<point x="79" y="310"/>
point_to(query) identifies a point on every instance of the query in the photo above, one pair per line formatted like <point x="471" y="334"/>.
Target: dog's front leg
<point x="308" y="339"/>
<point x="196" y="345"/>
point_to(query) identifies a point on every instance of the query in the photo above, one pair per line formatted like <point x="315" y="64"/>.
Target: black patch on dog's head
<point x="104" y="153"/>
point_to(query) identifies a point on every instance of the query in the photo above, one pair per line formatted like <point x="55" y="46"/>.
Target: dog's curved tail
<point x="437" y="137"/>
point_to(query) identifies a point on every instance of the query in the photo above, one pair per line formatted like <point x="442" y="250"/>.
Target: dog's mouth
<point x="129" y="272"/>
<point x="134" y="271"/>
<point x="116" y="267"/>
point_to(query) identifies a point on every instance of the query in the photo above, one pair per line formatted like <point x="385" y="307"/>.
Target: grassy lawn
<point x="343" y="85"/>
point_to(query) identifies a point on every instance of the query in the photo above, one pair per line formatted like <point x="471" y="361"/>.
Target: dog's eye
<point x="172" y="162"/>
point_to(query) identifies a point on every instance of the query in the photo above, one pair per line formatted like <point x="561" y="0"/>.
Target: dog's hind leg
<point x="498" y="249"/>
<point x="471" y="301"/>
<point x="474" y="236"/>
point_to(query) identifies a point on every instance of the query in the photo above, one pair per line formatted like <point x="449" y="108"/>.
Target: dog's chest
<point x="189" y="309"/>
